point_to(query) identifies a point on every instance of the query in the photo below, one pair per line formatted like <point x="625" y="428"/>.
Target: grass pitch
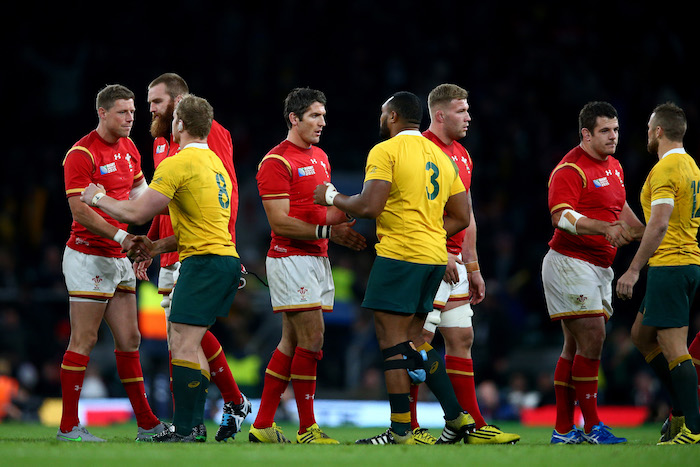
<point x="33" y="444"/>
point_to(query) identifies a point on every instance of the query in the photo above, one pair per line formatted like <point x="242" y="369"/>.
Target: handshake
<point x="141" y="250"/>
<point x="619" y="233"/>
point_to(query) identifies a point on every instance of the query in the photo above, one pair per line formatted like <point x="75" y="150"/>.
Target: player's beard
<point x="384" y="131"/>
<point x="160" y="127"/>
<point x="653" y="146"/>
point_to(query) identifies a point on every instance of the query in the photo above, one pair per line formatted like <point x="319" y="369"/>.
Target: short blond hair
<point x="444" y="94"/>
<point x="196" y="114"/>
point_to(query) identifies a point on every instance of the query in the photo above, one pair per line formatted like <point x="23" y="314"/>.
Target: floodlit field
<point x="33" y="444"/>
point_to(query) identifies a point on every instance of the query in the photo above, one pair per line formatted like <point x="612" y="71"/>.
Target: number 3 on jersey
<point x="433" y="188"/>
<point x="224" y="199"/>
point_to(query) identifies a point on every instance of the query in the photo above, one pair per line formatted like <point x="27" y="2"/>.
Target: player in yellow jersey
<point x="409" y="183"/>
<point x="669" y="245"/>
<point x="194" y="185"/>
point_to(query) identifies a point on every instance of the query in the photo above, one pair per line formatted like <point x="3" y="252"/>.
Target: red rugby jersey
<point x="288" y="171"/>
<point x="460" y="156"/>
<point x="219" y="141"/>
<point x="593" y="188"/>
<point x="117" y="167"/>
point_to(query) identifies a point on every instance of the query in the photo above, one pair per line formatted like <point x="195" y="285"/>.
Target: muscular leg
<point x="393" y="329"/>
<point x="185" y="341"/>
<point x="121" y="316"/>
<point x="85" y="319"/>
<point x="306" y="328"/>
<point x="564" y="389"/>
<point x="589" y="334"/>
<point x="684" y="380"/>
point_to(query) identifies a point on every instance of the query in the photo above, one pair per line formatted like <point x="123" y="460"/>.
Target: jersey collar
<point x="409" y="132"/>
<point x="674" y="151"/>
<point x="197" y="145"/>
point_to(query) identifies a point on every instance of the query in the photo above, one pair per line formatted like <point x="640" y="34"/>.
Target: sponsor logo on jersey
<point x="108" y="168"/>
<point x="160" y="149"/>
<point x="601" y="182"/>
<point x="308" y="170"/>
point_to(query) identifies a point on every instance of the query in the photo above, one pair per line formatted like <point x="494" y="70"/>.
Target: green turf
<point x="31" y="444"/>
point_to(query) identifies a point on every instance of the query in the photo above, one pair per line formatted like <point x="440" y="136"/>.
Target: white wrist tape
<point x="331" y="193"/>
<point x="98" y="196"/>
<point x="568" y="220"/>
<point x="120" y="236"/>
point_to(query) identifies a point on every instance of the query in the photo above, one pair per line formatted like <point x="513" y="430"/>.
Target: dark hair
<point x="196" y="115"/>
<point x="112" y="93"/>
<point x="590" y="112"/>
<point x="407" y="106"/>
<point x="671" y="119"/>
<point x="174" y="83"/>
<point x="299" y="100"/>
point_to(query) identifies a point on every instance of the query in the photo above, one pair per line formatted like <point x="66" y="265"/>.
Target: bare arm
<point x="136" y="211"/>
<point x="367" y="204"/>
<point x="615" y="233"/>
<point x="458" y="213"/>
<point x="653" y="236"/>
<point x="477" y="286"/>
<point x="88" y="218"/>
<point x="635" y="227"/>
<point x="277" y="211"/>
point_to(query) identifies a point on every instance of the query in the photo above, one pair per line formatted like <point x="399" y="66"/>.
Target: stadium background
<point x="529" y="69"/>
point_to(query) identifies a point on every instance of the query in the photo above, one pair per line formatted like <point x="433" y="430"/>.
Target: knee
<point x="82" y="342"/>
<point x="129" y="342"/>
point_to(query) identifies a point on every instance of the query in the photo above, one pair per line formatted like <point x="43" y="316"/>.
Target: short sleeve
<point x="379" y="165"/>
<point x="663" y="182"/>
<point x="565" y="188"/>
<point x="169" y="176"/>
<point x="77" y="171"/>
<point x="274" y="177"/>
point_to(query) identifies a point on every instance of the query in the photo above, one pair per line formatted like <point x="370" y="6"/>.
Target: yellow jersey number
<point x="433" y="188"/>
<point x="224" y="199"/>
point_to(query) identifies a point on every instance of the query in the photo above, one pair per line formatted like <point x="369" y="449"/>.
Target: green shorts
<point x="402" y="287"/>
<point x="205" y="289"/>
<point x="669" y="295"/>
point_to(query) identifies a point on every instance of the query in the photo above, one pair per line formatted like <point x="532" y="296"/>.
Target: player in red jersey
<point x="592" y="218"/>
<point x="164" y="93"/>
<point x="298" y="269"/>
<point x="99" y="277"/>
<point x="463" y="284"/>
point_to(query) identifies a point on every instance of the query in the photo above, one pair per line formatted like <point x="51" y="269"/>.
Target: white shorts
<point x="96" y="278"/>
<point x="574" y="288"/>
<point x="458" y="292"/>
<point x="460" y="317"/>
<point x="300" y="283"/>
<point x="167" y="277"/>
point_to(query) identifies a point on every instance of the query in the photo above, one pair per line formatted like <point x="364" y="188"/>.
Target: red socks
<point x="303" y="376"/>
<point x="584" y="374"/>
<point x="131" y="376"/>
<point x="461" y="374"/>
<point x="694" y="351"/>
<point x="413" y="400"/>
<point x="73" y="369"/>
<point x="277" y="376"/>
<point x="565" y="396"/>
<point x="220" y="371"/>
